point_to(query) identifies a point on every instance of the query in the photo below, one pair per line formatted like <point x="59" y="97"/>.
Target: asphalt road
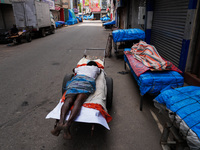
<point x="31" y="76"/>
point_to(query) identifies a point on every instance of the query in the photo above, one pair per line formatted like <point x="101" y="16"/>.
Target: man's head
<point x="14" y="26"/>
<point x="92" y="63"/>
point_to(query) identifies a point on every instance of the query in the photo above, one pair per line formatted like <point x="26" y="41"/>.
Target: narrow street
<point x="31" y="76"/>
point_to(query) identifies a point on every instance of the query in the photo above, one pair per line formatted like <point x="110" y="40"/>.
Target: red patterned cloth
<point x="148" y="55"/>
<point x="139" y="68"/>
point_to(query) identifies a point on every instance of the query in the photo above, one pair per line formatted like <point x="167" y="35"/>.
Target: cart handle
<point x="96" y="49"/>
<point x="103" y="49"/>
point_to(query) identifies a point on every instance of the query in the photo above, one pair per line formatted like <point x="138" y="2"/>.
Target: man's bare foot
<point x="56" y="131"/>
<point x="67" y="134"/>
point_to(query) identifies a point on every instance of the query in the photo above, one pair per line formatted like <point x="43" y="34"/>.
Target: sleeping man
<point x="77" y="91"/>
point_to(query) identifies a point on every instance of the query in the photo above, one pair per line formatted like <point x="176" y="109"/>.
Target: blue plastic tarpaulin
<point x="59" y="24"/>
<point x="88" y="17"/>
<point x="185" y="102"/>
<point x="80" y="19"/>
<point x="106" y="19"/>
<point x="109" y="23"/>
<point x="72" y="17"/>
<point x="128" y="35"/>
<point x="153" y="82"/>
<point x="91" y="17"/>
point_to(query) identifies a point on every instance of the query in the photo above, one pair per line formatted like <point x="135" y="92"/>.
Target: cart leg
<point x="141" y="102"/>
<point x="165" y="135"/>
<point x="177" y="141"/>
<point x="92" y="130"/>
<point x="109" y="46"/>
<point x="124" y="65"/>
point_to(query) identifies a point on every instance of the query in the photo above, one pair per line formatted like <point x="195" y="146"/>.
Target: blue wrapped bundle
<point x="184" y="102"/>
<point x="72" y="21"/>
<point x="57" y="24"/>
<point x="61" y="22"/>
<point x="102" y="18"/>
<point x="91" y="17"/>
<point x="153" y="82"/>
<point x="106" y="19"/>
<point x="128" y="35"/>
<point x="109" y="23"/>
<point x="72" y="18"/>
<point x="79" y="19"/>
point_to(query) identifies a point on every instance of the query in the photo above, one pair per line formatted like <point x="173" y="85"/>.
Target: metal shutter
<point x="168" y="28"/>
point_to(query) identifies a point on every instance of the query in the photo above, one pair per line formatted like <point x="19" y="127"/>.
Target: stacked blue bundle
<point x="91" y="17"/>
<point x="128" y="35"/>
<point x="105" y="19"/>
<point x="79" y="19"/>
<point x="72" y="18"/>
<point x="153" y="82"/>
<point x="59" y="24"/>
<point x="109" y="23"/>
<point x="185" y="102"/>
<point x="72" y="22"/>
<point x="88" y="17"/>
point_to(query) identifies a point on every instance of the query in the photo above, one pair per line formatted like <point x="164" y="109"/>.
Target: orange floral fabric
<point x="100" y="108"/>
<point x="98" y="64"/>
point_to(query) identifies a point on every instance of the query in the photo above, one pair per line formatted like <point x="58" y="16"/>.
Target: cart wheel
<point x="115" y="46"/>
<point x="42" y="32"/>
<point x="18" y="40"/>
<point x="109" y="46"/>
<point x="65" y="80"/>
<point x="109" y="84"/>
<point x="52" y="30"/>
<point x="28" y="37"/>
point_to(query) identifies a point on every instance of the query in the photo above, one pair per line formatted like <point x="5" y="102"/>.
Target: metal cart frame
<point x="109" y="81"/>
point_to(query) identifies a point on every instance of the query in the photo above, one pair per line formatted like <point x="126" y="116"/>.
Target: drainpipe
<point x="149" y="19"/>
<point x="71" y="3"/>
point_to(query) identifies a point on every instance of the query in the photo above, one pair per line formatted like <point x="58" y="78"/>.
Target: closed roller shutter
<point x="168" y="28"/>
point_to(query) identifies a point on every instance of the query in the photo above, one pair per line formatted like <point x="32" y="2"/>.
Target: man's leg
<point x="69" y="101"/>
<point x="80" y="99"/>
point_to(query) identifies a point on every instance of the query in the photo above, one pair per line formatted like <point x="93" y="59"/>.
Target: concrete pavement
<point x="31" y="79"/>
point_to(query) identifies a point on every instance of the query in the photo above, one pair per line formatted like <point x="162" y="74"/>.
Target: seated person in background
<point x="77" y="91"/>
<point x="14" y="30"/>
